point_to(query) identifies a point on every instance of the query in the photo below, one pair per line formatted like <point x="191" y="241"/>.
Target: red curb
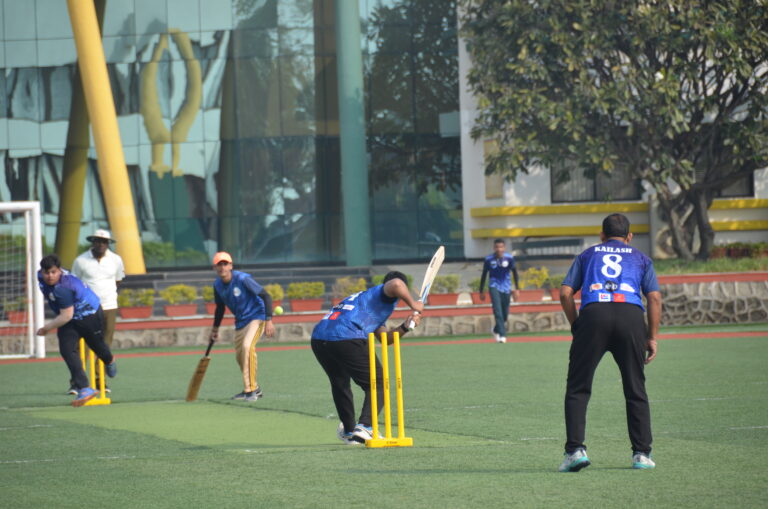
<point x="516" y="339"/>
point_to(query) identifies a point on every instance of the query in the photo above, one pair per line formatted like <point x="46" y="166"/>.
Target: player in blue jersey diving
<point x="78" y="315"/>
<point x="613" y="276"/>
<point x="340" y="344"/>
<point x="252" y="307"/>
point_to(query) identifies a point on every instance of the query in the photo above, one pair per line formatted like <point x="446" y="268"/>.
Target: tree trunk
<point x="701" y="203"/>
<point x="677" y="226"/>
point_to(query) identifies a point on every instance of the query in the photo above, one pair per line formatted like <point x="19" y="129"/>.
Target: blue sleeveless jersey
<point x="241" y="296"/>
<point x="356" y="316"/>
<point x="612" y="272"/>
<point x="68" y="292"/>
<point x="498" y="271"/>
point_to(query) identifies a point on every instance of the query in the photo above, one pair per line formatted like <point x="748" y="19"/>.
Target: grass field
<point x="486" y="420"/>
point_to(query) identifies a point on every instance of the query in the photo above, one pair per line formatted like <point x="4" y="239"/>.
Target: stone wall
<point x="700" y="303"/>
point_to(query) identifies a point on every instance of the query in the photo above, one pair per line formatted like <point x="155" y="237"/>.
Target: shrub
<point x="474" y="285"/>
<point x="534" y="278"/>
<point x="345" y="286"/>
<point x="179" y="294"/>
<point x="379" y="279"/>
<point x="16" y="304"/>
<point x="445" y="284"/>
<point x="306" y="290"/>
<point x="555" y="281"/>
<point x="275" y="291"/>
<point x="129" y="298"/>
<point x="207" y="293"/>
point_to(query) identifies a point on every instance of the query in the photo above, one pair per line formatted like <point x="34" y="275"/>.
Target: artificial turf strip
<point x="486" y="419"/>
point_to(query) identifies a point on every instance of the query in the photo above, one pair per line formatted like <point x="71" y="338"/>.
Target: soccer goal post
<point x="21" y="248"/>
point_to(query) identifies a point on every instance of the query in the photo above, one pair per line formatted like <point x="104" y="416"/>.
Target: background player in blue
<point x="78" y="314"/>
<point x="499" y="264"/>
<point x="611" y="276"/>
<point x="340" y="344"/>
<point x="252" y="307"/>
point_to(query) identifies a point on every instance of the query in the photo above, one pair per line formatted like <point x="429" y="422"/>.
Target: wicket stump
<point x="90" y="371"/>
<point x="388" y="441"/>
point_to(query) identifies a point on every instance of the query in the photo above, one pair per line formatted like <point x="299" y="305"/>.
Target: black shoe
<point x="72" y="390"/>
<point x="254" y="395"/>
<point x="240" y="395"/>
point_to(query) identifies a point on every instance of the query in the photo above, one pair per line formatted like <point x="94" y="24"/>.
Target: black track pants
<point x="618" y="328"/>
<point x="91" y="328"/>
<point x="344" y="361"/>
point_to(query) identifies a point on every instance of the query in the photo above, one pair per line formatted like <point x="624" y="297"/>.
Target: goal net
<point x="21" y="300"/>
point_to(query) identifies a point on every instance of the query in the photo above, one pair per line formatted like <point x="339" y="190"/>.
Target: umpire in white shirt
<point x="102" y="270"/>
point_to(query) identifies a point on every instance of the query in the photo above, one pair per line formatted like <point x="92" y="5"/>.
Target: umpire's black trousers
<point x="618" y="328"/>
<point x="90" y="328"/>
<point x="344" y="361"/>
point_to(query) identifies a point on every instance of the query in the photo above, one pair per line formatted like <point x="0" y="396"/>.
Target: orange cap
<point x="221" y="256"/>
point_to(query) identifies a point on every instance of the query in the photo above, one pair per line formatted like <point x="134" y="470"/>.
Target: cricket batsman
<point x="340" y="344"/>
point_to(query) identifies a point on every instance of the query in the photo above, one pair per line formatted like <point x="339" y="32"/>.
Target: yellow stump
<point x="388" y="440"/>
<point x="102" y="398"/>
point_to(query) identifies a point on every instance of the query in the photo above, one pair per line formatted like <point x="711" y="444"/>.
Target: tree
<point x="672" y="91"/>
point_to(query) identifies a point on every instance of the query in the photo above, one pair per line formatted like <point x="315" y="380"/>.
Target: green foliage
<point x="671" y="92"/>
<point x="379" y="279"/>
<point x="208" y="293"/>
<point x="306" y="290"/>
<point x="677" y="266"/>
<point x="534" y="277"/>
<point x="474" y="285"/>
<point x="554" y="281"/>
<point x="163" y="254"/>
<point x="445" y="284"/>
<point x="16" y="304"/>
<point x="345" y="286"/>
<point x="179" y="294"/>
<point x="128" y="298"/>
<point x="275" y="291"/>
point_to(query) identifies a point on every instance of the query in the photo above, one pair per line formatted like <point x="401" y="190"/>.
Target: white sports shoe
<point x="362" y="433"/>
<point x="502" y="339"/>
<point x="496" y="337"/>
<point x="344" y="436"/>
<point x="642" y="461"/>
<point x="575" y="461"/>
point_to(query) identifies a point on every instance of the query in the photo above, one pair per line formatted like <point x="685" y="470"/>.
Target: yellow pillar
<point x="113" y="174"/>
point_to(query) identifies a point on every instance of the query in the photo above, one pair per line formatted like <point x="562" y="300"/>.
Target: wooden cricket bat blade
<point x="197" y="379"/>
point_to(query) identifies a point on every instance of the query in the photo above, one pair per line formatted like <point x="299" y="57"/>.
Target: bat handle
<point x="208" y="350"/>
<point x="411" y="323"/>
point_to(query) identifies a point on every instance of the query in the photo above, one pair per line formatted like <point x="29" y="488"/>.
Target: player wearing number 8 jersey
<point x="612" y="277"/>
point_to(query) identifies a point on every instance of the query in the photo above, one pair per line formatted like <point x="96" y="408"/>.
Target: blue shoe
<point x="83" y="395"/>
<point x="642" y="461"/>
<point x="111" y="369"/>
<point x="575" y="461"/>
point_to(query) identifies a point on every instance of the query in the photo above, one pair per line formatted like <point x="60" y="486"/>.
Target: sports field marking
<point x="13" y="428"/>
<point x="66" y="460"/>
<point x="510" y="339"/>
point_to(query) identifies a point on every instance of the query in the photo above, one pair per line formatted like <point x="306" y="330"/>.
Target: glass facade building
<point x="228" y="115"/>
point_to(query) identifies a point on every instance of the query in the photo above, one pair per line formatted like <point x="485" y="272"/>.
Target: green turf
<point x="486" y="420"/>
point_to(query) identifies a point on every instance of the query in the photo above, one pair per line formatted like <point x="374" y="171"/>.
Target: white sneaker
<point x="575" y="461"/>
<point x="344" y="436"/>
<point x="502" y="339"/>
<point x="642" y="461"/>
<point x="496" y="337"/>
<point x="362" y="433"/>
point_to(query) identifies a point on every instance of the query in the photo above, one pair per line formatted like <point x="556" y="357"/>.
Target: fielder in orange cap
<point x="252" y="307"/>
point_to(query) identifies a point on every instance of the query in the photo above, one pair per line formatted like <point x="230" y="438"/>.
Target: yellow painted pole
<point x="374" y="398"/>
<point x="399" y="386"/>
<point x="385" y="382"/>
<point x="113" y="174"/>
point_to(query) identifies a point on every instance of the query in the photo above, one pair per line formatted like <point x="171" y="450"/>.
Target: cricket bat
<point x="429" y="277"/>
<point x="197" y="378"/>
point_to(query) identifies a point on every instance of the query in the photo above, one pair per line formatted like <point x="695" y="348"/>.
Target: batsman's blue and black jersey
<point x="612" y="272"/>
<point x="241" y="296"/>
<point x="498" y="270"/>
<point x="68" y="292"/>
<point x="356" y="316"/>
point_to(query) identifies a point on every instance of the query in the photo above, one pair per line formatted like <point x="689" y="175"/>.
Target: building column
<point x="354" y="160"/>
<point x="115" y="186"/>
